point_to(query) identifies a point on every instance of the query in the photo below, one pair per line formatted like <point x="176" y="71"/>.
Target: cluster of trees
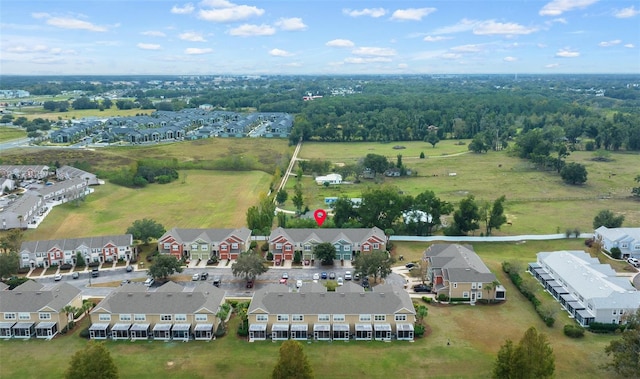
<point x="10" y="243"/>
<point x="260" y="217"/>
<point x="624" y="351"/>
<point x="144" y="172"/>
<point x="377" y="264"/>
<point x="531" y="358"/>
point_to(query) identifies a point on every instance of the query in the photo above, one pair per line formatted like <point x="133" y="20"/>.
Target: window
<point x="278" y="246"/>
<point x="201" y="317"/>
<point x="262" y="317"/>
<point x="365" y="248"/>
<point x="298" y="317"/>
<point x="194" y="246"/>
<point x="479" y="295"/>
<point x="125" y="317"/>
<point x="181" y="317"/>
<point x="165" y="317"/>
<point x="139" y="317"/>
<point x="479" y="286"/>
<point x="401" y="317"/>
<point x="323" y="317"/>
<point x="9" y="316"/>
<point x="465" y="295"/>
<point x="287" y="248"/>
<point x="307" y="247"/>
<point x="204" y="247"/>
<point x="174" y="247"/>
<point x="614" y="311"/>
<point x="455" y="285"/>
<point x="24" y="316"/>
<point x="380" y="318"/>
<point x="234" y="246"/>
<point x="347" y="247"/>
<point x="636" y="247"/>
<point x="338" y="318"/>
<point x="624" y="245"/>
<point x="104" y="317"/>
<point x="365" y="318"/>
<point x="283" y="317"/>
<point x="376" y="246"/>
<point x="473" y="286"/>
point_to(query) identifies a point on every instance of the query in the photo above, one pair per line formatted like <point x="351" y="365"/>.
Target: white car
<point x="347" y="275"/>
<point x="285" y="275"/>
<point x="195" y="277"/>
<point x="340" y="280"/>
<point x="57" y="277"/>
<point x="149" y="282"/>
<point x="316" y="276"/>
<point x="634" y="262"/>
<point x="298" y="283"/>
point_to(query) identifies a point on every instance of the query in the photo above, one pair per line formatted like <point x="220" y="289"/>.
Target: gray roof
<point x="331" y="235"/>
<point x="210" y="235"/>
<point x="171" y="298"/>
<point x="33" y="297"/>
<point x="273" y="300"/>
<point x="459" y="263"/>
<point x="73" y="243"/>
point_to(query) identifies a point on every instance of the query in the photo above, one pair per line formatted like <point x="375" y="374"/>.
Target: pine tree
<point x="293" y="363"/>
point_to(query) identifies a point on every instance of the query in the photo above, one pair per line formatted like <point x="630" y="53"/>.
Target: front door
<point x="473" y="297"/>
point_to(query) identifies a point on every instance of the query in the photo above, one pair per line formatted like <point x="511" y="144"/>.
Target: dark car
<point x="249" y="283"/>
<point x="323" y="275"/>
<point x="422" y="288"/>
<point x="75" y="275"/>
<point x="365" y="282"/>
<point x="129" y="268"/>
<point x="204" y="276"/>
<point x="410" y="265"/>
<point x="216" y="281"/>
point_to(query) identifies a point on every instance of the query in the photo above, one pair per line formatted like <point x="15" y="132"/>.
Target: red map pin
<point x="320" y="215"/>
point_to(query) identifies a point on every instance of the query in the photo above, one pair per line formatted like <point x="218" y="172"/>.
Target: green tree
<point x="574" y="173"/>
<point x="249" y="265"/>
<point x="163" y="266"/>
<point x="532" y="358"/>
<point x="298" y="200"/>
<point x="282" y="196"/>
<point x="9" y="264"/>
<point x="326" y="252"/>
<point x="69" y="310"/>
<point x="261" y="217"/>
<point x="624" y="351"/>
<point x="377" y="264"/>
<point x="433" y="207"/>
<point x="146" y="229"/>
<point x="635" y="191"/>
<point x="375" y="162"/>
<point x="494" y="215"/>
<point x="343" y="211"/>
<point x="80" y="260"/>
<point x="381" y="207"/>
<point x="433" y="139"/>
<point x="92" y="361"/>
<point x="12" y="240"/>
<point x="608" y="219"/>
<point x="467" y="215"/>
<point x="478" y="145"/>
<point x="293" y="363"/>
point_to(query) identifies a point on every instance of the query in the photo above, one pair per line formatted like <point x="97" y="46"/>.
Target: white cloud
<point x="153" y="33"/>
<point x="148" y="46"/>
<point x="567" y="53"/>
<point x="279" y="53"/>
<point x="463" y="26"/>
<point x="560" y="20"/>
<point x="435" y="39"/>
<point x="467" y="49"/>
<point x="69" y="22"/>
<point x="197" y="51"/>
<point x="372" y="12"/>
<point x="224" y="11"/>
<point x="248" y="30"/>
<point x="340" y="43"/>
<point x="411" y="14"/>
<point x="291" y="24"/>
<point x="558" y="7"/>
<point x="185" y="9"/>
<point x="363" y="60"/>
<point x="541" y="45"/>
<point x="510" y="59"/>
<point x="552" y="65"/>
<point x="403" y="65"/>
<point x="374" y="51"/>
<point x="451" y="56"/>
<point x="627" y="12"/>
<point x="192" y="37"/>
<point x="629" y="46"/>
<point x="609" y="43"/>
<point x="491" y="27"/>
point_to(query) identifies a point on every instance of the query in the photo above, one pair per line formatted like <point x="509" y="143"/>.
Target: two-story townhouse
<point x="459" y="273"/>
<point x="625" y="239"/>
<point x="588" y="290"/>
<point x="204" y="244"/>
<point x="70" y="172"/>
<point x="24" y="172"/>
<point x="33" y="310"/>
<point x="283" y="243"/>
<point x="93" y="249"/>
<point x="171" y="312"/>
<point x="278" y="313"/>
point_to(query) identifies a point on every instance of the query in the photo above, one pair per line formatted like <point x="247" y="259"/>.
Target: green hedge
<point x="573" y="331"/>
<point x="516" y="279"/>
<point x="599" y="327"/>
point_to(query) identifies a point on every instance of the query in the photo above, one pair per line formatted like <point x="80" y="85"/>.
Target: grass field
<point x="7" y="134"/>
<point x="537" y="202"/>
<point x="475" y="333"/>
<point x="75" y="114"/>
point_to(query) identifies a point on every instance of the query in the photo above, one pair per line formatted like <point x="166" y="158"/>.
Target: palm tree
<point x="490" y="287"/>
<point x="69" y="310"/>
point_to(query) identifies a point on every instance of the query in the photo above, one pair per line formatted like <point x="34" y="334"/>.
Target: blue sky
<point x="318" y="37"/>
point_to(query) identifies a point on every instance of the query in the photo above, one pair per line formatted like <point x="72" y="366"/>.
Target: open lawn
<point x="538" y="202"/>
<point x="201" y="199"/>
<point x="75" y="114"/>
<point x="7" y="134"/>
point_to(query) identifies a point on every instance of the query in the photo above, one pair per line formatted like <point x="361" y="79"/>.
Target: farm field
<point x="7" y="133"/>
<point x="537" y="202"/>
<point x="475" y="333"/>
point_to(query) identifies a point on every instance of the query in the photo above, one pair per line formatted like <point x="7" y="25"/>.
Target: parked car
<point x="204" y="276"/>
<point x="249" y="283"/>
<point x="129" y="268"/>
<point x="410" y="265"/>
<point x="356" y="276"/>
<point x="634" y="262"/>
<point x="340" y="280"/>
<point x="365" y="282"/>
<point x="332" y="275"/>
<point x="421" y="288"/>
<point x="57" y="277"/>
<point x="347" y="275"/>
<point x="298" y="283"/>
<point x="316" y="276"/>
<point x="216" y="281"/>
<point x="283" y="281"/>
<point x="149" y="282"/>
<point x="195" y="277"/>
<point x="95" y="272"/>
<point x="285" y="275"/>
<point x="75" y="275"/>
<point x="323" y="275"/>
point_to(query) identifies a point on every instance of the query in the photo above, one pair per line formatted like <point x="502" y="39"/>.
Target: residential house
<point x="588" y="290"/>
<point x="625" y="239"/>
<point x="171" y="312"/>
<point x="204" y="244"/>
<point x="24" y="172"/>
<point x="458" y="272"/>
<point x="283" y="243"/>
<point x="331" y="179"/>
<point x="277" y="312"/>
<point x="33" y="310"/>
<point x="93" y="249"/>
<point x="69" y="172"/>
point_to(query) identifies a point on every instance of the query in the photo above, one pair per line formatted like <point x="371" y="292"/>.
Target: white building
<point x="625" y="239"/>
<point x="588" y="290"/>
<point x="331" y="179"/>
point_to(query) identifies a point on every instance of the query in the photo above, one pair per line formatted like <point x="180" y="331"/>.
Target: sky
<point x="318" y="37"/>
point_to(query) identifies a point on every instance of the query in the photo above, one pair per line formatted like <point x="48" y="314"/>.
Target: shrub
<point x="418" y="330"/>
<point x="426" y="299"/>
<point x="599" y="327"/>
<point x="297" y="257"/>
<point x="66" y="266"/>
<point x="84" y="333"/>
<point x="253" y="245"/>
<point x="269" y="256"/>
<point x="443" y="297"/>
<point x="212" y="261"/>
<point x="590" y="146"/>
<point x="220" y="331"/>
<point x="616" y="253"/>
<point x="243" y="328"/>
<point x="93" y="264"/>
<point x="573" y="331"/>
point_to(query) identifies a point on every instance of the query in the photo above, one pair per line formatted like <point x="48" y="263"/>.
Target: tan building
<point x="280" y="313"/>
<point x="33" y="310"/>
<point x="171" y="312"/>
<point x="458" y="272"/>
